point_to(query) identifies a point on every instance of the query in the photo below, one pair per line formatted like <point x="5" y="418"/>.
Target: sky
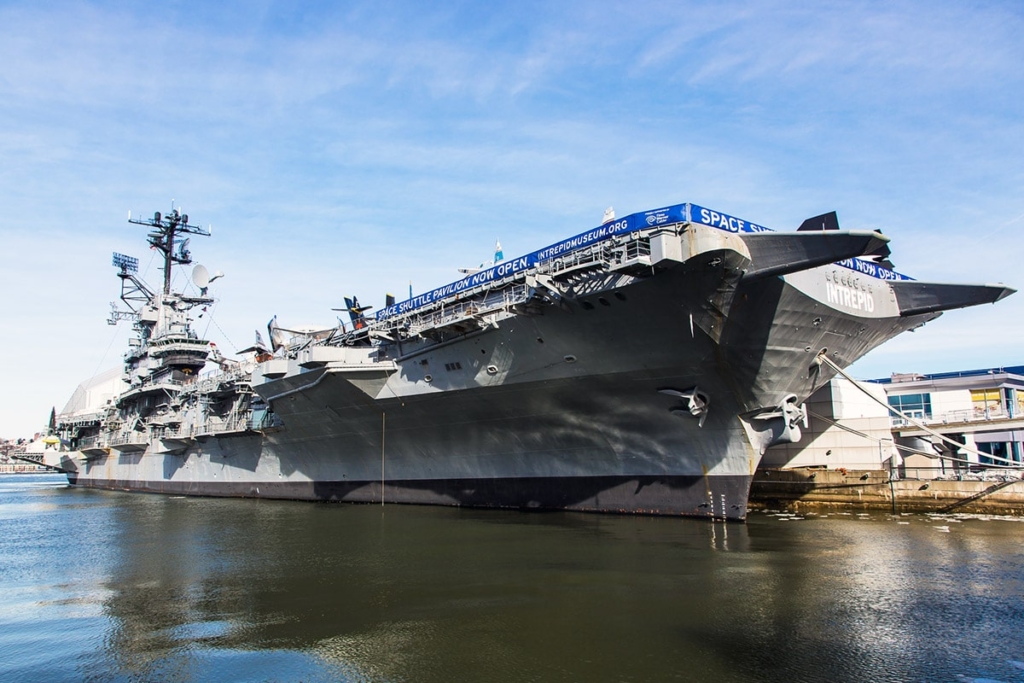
<point x="344" y="148"/>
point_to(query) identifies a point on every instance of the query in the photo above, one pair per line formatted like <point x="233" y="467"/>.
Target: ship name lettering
<point x="849" y="297"/>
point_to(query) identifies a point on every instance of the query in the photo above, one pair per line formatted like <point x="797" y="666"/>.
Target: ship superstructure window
<point x="913" y="405"/>
<point x="453" y="366"/>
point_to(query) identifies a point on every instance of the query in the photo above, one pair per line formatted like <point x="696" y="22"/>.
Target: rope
<point x="152" y="257"/>
<point x="906" y="449"/>
<point x="822" y="358"/>
<point x="222" y="332"/>
<point x="209" y="319"/>
<point x="104" y="358"/>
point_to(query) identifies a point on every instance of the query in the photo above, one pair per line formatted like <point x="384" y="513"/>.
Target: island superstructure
<point x="641" y="366"/>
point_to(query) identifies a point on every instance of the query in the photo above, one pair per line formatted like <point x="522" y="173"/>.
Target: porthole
<point x="540" y="340"/>
<point x="587" y="305"/>
<point x="570" y="358"/>
<point x="428" y="378"/>
<point x="620" y="296"/>
<point x="492" y="369"/>
<point x="604" y="302"/>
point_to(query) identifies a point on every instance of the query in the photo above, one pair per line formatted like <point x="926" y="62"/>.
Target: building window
<point x="1002" y="453"/>
<point x="913" y="405"/>
<point x="986" y="402"/>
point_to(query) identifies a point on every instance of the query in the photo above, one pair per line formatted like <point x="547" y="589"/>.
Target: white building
<point x="980" y="411"/>
<point x="845" y="429"/>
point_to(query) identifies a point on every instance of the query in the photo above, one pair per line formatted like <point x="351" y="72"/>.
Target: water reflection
<point x="401" y="593"/>
<point x="191" y="589"/>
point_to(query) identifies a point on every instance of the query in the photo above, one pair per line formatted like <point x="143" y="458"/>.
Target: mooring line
<point x="822" y="358"/>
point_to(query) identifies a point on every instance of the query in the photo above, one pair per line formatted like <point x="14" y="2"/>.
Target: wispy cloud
<point x="905" y="44"/>
<point x="350" y="148"/>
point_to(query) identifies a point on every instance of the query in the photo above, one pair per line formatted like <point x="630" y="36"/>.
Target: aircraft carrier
<point x="641" y="366"/>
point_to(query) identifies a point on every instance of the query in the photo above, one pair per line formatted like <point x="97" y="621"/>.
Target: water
<point x="101" y="586"/>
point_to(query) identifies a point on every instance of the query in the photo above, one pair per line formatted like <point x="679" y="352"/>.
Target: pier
<point x="953" y="442"/>
<point x="813" y="488"/>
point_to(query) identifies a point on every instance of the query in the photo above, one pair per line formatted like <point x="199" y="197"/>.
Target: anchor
<point x="792" y="415"/>
<point x="697" y="403"/>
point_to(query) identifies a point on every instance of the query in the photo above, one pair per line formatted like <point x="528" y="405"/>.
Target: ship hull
<point x="693" y="496"/>
<point x="648" y="380"/>
<point x="608" y="444"/>
<point x="550" y="435"/>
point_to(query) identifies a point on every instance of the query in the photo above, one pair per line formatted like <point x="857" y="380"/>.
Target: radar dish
<point x="200" y="276"/>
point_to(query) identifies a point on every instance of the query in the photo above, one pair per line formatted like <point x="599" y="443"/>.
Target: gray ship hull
<point x="590" y="443"/>
<point x="594" y="434"/>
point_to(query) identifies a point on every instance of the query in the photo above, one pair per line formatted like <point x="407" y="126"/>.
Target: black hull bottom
<point x="719" y="497"/>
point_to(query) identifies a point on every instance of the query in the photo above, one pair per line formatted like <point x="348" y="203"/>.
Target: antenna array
<point x="127" y="264"/>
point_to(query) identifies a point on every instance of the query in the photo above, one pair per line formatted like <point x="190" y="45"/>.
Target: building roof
<point x="964" y="380"/>
<point x="1013" y="374"/>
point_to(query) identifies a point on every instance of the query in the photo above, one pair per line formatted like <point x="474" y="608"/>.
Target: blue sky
<point x="348" y="147"/>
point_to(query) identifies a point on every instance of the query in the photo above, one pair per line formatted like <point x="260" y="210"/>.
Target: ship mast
<point x="167" y="347"/>
<point x="166" y="231"/>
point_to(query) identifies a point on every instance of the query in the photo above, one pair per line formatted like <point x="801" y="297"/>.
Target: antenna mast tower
<point x="165" y="235"/>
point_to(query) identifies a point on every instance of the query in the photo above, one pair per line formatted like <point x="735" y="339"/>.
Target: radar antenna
<point x="166" y="237"/>
<point x="134" y="291"/>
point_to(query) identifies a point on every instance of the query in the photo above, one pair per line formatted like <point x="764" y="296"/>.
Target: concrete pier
<point x="810" y="488"/>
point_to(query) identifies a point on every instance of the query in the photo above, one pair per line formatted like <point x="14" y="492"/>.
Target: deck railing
<point x="483" y="300"/>
<point x="90" y="441"/>
<point x="128" y="438"/>
<point x="957" y="417"/>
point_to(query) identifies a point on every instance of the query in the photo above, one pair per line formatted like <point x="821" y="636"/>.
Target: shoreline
<point x="23" y="469"/>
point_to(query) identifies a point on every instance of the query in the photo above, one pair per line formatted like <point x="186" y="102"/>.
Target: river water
<point x="102" y="586"/>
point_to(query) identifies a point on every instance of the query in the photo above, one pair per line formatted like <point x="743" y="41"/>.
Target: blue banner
<point x="723" y="221"/>
<point x="656" y="217"/>
<point x="637" y="221"/>
<point x="872" y="269"/>
<point x="677" y="213"/>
